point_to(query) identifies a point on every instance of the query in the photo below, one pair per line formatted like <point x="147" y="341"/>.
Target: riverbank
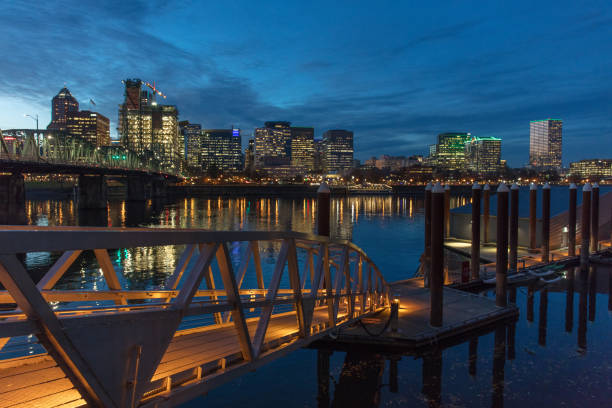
<point x="295" y="190"/>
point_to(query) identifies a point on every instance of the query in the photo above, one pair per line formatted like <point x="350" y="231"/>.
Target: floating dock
<point x="463" y="312"/>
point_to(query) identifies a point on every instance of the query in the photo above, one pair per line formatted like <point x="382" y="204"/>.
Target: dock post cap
<point x="533" y="186"/>
<point x="428" y="186"/>
<point x="323" y="188"/>
<point x="487" y="186"/>
<point x="446" y="186"/>
<point x="587" y="187"/>
<point x="595" y="185"/>
<point x="437" y="188"/>
<point x="546" y="186"/>
<point x="476" y="186"/>
<point x="503" y="188"/>
<point x="514" y="187"/>
<point x="572" y="186"/>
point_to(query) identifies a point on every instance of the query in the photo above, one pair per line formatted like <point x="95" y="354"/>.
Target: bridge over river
<point x="47" y="152"/>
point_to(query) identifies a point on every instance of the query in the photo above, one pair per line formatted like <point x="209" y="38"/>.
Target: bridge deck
<point x="37" y="381"/>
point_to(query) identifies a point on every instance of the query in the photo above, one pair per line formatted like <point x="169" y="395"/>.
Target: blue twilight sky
<point x="396" y="72"/>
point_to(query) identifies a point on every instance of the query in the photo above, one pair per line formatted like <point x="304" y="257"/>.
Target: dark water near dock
<point x="555" y="354"/>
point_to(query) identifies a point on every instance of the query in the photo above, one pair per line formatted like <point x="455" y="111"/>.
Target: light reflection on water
<point x="388" y="228"/>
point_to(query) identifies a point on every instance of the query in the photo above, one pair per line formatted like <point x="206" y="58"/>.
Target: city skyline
<point x="387" y="85"/>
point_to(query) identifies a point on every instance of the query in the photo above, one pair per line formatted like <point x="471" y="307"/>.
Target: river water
<point x="556" y="354"/>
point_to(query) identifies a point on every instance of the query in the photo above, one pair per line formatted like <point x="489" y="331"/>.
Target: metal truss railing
<point x="159" y="347"/>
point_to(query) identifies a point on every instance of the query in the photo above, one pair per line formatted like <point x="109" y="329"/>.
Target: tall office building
<point x="450" y="151"/>
<point x="249" y="157"/>
<point x="91" y="126"/>
<point x="483" y="154"/>
<point x="302" y="148"/>
<point x="192" y="139"/>
<point x="273" y="144"/>
<point x="545" y="143"/>
<point x="337" y="154"/>
<point x="148" y="128"/>
<point x="61" y="105"/>
<point x="222" y="150"/>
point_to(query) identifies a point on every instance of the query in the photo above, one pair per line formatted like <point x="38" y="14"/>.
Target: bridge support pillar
<point x="12" y="199"/>
<point x="139" y="188"/>
<point x="159" y="187"/>
<point x="92" y="192"/>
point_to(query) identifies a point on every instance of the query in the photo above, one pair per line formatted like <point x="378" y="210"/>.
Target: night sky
<point x="396" y="72"/>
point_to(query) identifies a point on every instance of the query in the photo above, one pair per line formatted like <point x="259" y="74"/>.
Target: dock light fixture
<point x="394" y="313"/>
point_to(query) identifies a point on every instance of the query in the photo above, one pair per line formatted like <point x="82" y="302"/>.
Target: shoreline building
<point x="192" y="140"/>
<point x="66" y="118"/>
<point x="91" y="126"/>
<point x="221" y="149"/>
<point x="449" y="152"/>
<point x="589" y="168"/>
<point x="337" y="155"/>
<point x="545" y="144"/>
<point x="147" y="128"/>
<point x="483" y="155"/>
<point x="273" y="144"/>
<point x="302" y="149"/>
<point x="61" y="105"/>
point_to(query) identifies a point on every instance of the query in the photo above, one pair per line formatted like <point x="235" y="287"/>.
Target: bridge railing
<point x="220" y="296"/>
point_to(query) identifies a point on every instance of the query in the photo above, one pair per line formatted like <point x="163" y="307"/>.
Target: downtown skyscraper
<point x="62" y="105"/>
<point x="273" y="144"/>
<point x="337" y="155"/>
<point x="147" y="128"/>
<point x="545" y="144"/>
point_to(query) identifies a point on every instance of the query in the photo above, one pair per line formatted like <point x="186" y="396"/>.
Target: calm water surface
<point x="556" y="354"/>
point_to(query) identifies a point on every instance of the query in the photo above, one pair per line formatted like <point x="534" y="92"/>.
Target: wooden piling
<point x="571" y="223"/>
<point x="475" y="256"/>
<point x="437" y="255"/>
<point x="427" y="245"/>
<point x="393" y="381"/>
<point x="595" y="218"/>
<point x="501" y="266"/>
<point x="585" y="225"/>
<point x="473" y="356"/>
<point x="569" y="301"/>
<point x="323" y="378"/>
<point x="533" y="216"/>
<point x="545" y="222"/>
<point x="486" y="198"/>
<point x="323" y="209"/>
<point x="514" y="215"/>
<point x="446" y="211"/>
<point x="543" y="321"/>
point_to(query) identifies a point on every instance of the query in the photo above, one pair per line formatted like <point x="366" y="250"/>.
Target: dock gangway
<point x="222" y="312"/>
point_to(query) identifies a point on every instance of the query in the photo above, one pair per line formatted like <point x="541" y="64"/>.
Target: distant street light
<point x="34" y="118"/>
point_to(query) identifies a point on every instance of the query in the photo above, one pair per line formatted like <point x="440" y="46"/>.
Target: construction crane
<point x="155" y="90"/>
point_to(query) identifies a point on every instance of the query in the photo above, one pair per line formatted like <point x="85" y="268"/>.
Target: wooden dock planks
<point x="38" y="381"/>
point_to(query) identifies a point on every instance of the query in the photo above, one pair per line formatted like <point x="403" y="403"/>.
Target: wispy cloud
<point x="396" y="80"/>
